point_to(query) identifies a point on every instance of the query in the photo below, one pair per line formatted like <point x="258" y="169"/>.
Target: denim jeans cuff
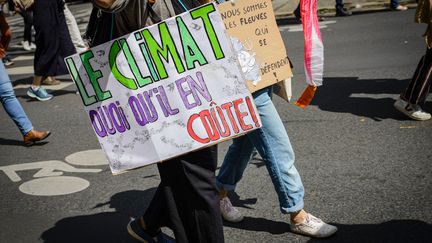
<point x="227" y="187"/>
<point x="299" y="206"/>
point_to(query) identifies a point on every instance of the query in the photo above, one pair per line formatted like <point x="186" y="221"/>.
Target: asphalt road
<point x="366" y="168"/>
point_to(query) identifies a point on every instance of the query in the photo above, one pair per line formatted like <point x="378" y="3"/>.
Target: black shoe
<point x="7" y="61"/>
<point x="341" y="12"/>
<point x="136" y="231"/>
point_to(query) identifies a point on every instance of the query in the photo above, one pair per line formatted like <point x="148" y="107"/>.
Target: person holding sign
<point x="274" y="146"/>
<point x="186" y="199"/>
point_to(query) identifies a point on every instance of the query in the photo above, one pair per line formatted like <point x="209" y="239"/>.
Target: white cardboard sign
<point x="165" y="90"/>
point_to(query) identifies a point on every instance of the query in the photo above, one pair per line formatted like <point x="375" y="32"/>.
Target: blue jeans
<point x="11" y="104"/>
<point x="394" y="3"/>
<point x="274" y="146"/>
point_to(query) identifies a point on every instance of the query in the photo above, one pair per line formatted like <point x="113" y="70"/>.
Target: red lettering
<point x="227" y="108"/>
<point x="226" y="131"/>
<point x="240" y="115"/>
<point x="252" y="112"/>
<point x="206" y="120"/>
<point x="192" y="132"/>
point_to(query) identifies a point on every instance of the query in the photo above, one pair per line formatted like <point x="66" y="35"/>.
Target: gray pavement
<point x="366" y="167"/>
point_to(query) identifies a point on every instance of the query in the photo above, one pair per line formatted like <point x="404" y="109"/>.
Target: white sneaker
<point x="413" y="111"/>
<point x="313" y="226"/>
<point x="229" y="212"/>
<point x="26" y="45"/>
<point x="400" y="8"/>
<point x="33" y="46"/>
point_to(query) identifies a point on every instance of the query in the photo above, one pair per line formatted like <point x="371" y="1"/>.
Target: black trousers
<point x="28" y="23"/>
<point x="53" y="42"/>
<point x="419" y="86"/>
<point x="187" y="200"/>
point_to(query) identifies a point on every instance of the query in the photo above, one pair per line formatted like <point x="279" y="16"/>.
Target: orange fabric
<point x="307" y="96"/>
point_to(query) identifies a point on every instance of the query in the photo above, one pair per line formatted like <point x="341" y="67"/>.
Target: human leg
<point x="235" y="162"/>
<point x="340" y="10"/>
<point x="28" y="23"/>
<point x="274" y="146"/>
<point x="236" y="159"/>
<point x="187" y="199"/>
<point x="419" y="86"/>
<point x="394" y="4"/>
<point x="11" y="104"/>
<point x="37" y="91"/>
<point x="74" y="30"/>
<point x="417" y="90"/>
<point x="16" y="112"/>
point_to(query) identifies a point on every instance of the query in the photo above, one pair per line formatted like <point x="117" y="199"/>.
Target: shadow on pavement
<point x="13" y="142"/>
<point x="102" y="227"/>
<point x="394" y="231"/>
<point x="242" y="203"/>
<point x="260" y="225"/>
<point x="353" y="95"/>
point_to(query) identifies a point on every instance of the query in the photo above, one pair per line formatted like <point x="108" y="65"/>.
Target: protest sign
<point x="253" y="23"/>
<point x="165" y="90"/>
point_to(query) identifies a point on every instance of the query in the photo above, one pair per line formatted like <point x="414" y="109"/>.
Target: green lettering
<point x="167" y="47"/>
<point x="149" y="62"/>
<point x="87" y="100"/>
<point x="191" y="51"/>
<point x="142" y="81"/>
<point x="125" y="81"/>
<point x="94" y="76"/>
<point x="203" y="13"/>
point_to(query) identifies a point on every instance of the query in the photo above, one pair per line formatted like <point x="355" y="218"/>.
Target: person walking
<point x="7" y="96"/>
<point x="274" y="146"/>
<point x="53" y="44"/>
<point x="27" y="15"/>
<point x="186" y="199"/>
<point x="415" y="94"/>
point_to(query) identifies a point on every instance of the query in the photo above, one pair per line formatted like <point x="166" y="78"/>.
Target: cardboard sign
<point x="253" y="23"/>
<point x="165" y="90"/>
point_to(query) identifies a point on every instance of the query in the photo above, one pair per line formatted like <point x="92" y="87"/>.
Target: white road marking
<point x="54" y="186"/>
<point x="46" y="168"/>
<point x="20" y="70"/>
<point x="23" y="58"/>
<point x="63" y="85"/>
<point x="88" y="157"/>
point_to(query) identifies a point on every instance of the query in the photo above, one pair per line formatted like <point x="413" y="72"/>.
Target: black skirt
<point x="53" y="42"/>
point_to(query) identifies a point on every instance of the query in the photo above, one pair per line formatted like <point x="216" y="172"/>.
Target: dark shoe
<point x="33" y="136"/>
<point x="341" y="12"/>
<point x="136" y="231"/>
<point x="7" y="61"/>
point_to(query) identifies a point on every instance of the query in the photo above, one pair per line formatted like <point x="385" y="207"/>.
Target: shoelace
<point x="311" y="218"/>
